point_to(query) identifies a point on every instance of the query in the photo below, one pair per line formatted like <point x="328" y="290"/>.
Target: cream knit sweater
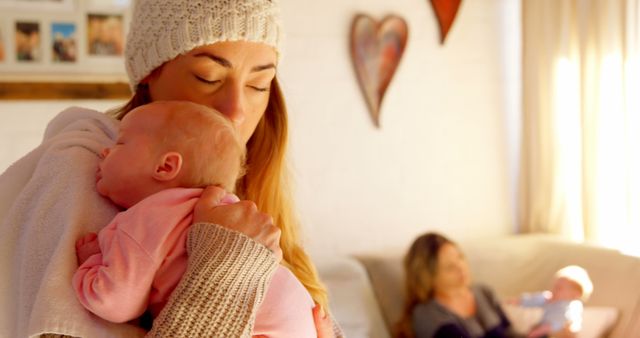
<point x="226" y="280"/>
<point x="233" y="271"/>
<point x="225" y="283"/>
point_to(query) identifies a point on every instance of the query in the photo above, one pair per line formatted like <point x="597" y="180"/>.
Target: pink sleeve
<point x="115" y="284"/>
<point x="287" y="308"/>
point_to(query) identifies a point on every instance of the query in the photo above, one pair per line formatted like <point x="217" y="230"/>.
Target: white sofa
<point x="367" y="291"/>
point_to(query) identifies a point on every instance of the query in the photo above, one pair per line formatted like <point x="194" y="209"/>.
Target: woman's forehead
<point x="448" y="251"/>
<point x="238" y="51"/>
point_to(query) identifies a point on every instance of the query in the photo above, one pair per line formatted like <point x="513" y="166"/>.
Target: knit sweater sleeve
<point x="337" y="330"/>
<point x="226" y="280"/>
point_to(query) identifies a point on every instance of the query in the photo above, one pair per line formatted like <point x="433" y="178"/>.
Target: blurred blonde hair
<point x="421" y="267"/>
<point x="580" y="277"/>
<point x="266" y="183"/>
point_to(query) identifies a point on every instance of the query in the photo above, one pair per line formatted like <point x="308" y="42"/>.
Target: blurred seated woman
<point x="440" y="299"/>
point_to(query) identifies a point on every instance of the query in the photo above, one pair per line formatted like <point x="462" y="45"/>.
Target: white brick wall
<point x="22" y="124"/>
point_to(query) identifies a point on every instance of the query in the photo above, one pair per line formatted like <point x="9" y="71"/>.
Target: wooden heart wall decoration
<point x="376" y="50"/>
<point x="446" y="11"/>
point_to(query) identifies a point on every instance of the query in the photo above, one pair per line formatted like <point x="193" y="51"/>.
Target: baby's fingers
<point x="90" y="237"/>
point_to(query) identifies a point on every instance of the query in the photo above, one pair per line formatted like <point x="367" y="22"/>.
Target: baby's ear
<point x="168" y="166"/>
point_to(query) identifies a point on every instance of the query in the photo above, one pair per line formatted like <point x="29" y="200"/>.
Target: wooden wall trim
<point x="63" y="90"/>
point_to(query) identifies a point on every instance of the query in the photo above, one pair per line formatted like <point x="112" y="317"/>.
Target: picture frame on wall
<point x="2" y="44"/>
<point x="64" y="41"/>
<point x="80" y="46"/>
<point x="27" y="41"/>
<point x="29" y="5"/>
<point x="105" y="34"/>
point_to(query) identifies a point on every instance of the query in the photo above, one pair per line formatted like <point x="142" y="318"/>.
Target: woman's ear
<point x="168" y="166"/>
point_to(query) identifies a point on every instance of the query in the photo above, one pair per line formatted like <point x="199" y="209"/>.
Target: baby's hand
<point x="87" y="246"/>
<point x="541" y="330"/>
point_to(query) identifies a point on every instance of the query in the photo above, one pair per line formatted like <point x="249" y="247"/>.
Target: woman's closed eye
<point x="212" y="82"/>
<point x="202" y="79"/>
<point x="259" y="88"/>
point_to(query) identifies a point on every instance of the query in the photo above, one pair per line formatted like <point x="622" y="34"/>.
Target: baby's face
<point x="565" y="289"/>
<point x="124" y="172"/>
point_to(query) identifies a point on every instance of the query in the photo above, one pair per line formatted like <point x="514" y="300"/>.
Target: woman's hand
<point x="242" y="216"/>
<point x="324" y="326"/>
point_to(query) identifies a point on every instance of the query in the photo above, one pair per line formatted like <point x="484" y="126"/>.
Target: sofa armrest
<point x="353" y="303"/>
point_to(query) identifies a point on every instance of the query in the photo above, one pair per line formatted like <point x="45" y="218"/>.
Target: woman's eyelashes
<point x="212" y="82"/>
<point x="206" y="81"/>
<point x="260" y="89"/>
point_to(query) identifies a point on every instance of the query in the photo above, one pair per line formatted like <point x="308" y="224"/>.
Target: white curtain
<point x="581" y="124"/>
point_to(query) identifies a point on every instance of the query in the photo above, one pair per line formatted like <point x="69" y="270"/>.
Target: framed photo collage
<point x="63" y="40"/>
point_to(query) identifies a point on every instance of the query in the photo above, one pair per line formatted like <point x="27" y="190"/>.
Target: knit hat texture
<point x="160" y="30"/>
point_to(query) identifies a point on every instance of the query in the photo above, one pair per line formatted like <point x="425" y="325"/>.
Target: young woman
<point x="440" y="299"/>
<point x="220" y="53"/>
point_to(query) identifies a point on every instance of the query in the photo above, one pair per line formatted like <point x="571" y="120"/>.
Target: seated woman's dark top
<point x="433" y="320"/>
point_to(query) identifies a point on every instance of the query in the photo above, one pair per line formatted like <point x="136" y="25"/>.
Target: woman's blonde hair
<point x="266" y="182"/>
<point x="421" y="265"/>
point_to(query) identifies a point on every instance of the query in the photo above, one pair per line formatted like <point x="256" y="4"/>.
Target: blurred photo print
<point x="28" y="41"/>
<point x="1" y="46"/>
<point x="105" y="35"/>
<point x="63" y="40"/>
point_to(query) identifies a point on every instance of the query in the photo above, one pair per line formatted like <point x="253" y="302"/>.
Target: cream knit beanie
<point x="160" y="30"/>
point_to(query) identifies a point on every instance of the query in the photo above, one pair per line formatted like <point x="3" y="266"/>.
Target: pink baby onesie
<point x="143" y="256"/>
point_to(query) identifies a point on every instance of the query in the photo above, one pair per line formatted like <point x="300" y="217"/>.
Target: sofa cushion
<point x="597" y="320"/>
<point x="353" y="304"/>
<point x="387" y="278"/>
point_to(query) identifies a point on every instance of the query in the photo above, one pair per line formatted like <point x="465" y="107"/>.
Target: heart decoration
<point x="376" y="50"/>
<point x="446" y="11"/>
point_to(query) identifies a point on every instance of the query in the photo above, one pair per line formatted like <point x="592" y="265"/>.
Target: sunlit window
<point x="568" y="146"/>
<point x="598" y="151"/>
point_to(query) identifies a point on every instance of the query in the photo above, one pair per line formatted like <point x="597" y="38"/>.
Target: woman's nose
<point x="231" y="104"/>
<point x="104" y="153"/>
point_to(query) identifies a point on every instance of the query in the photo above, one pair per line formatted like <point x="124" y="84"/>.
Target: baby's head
<point x="169" y="144"/>
<point x="572" y="283"/>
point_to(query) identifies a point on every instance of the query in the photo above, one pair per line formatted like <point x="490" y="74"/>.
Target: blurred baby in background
<point x="562" y="305"/>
